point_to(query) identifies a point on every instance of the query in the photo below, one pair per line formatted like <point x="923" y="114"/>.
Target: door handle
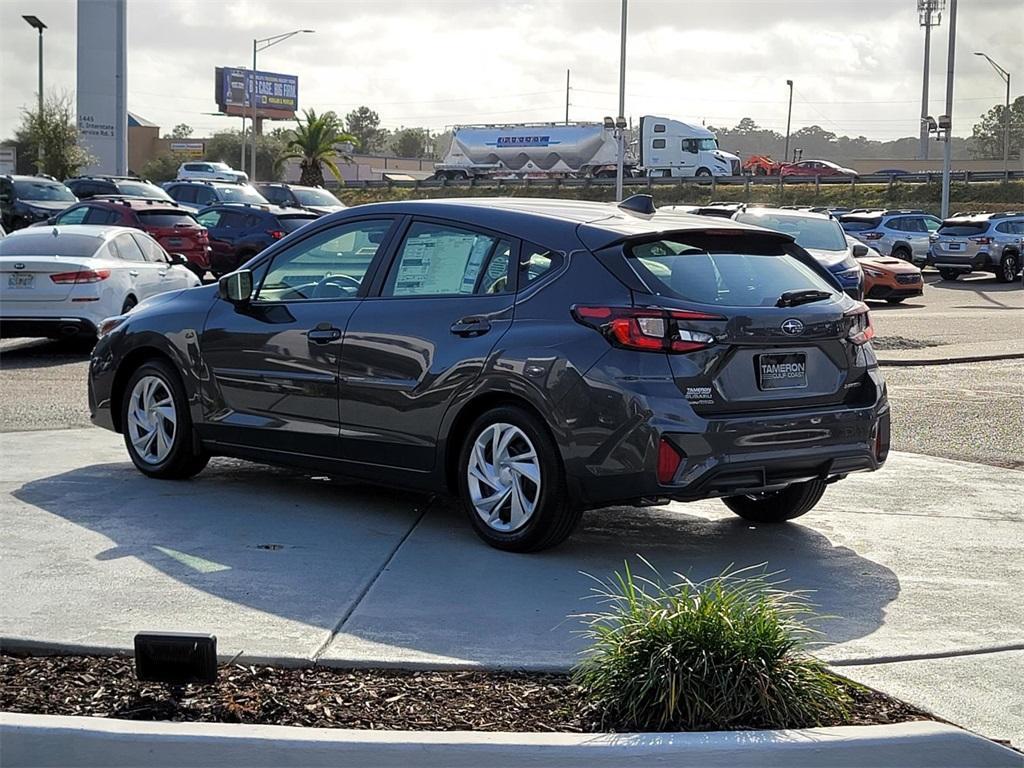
<point x="162" y="273"/>
<point x="133" y="272"/>
<point x="323" y="335"/>
<point x="471" y="326"/>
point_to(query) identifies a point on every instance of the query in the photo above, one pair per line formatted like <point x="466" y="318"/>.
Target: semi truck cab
<point x="674" y="148"/>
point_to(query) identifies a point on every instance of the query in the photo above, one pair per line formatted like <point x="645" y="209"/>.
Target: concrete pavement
<point x="923" y="558"/>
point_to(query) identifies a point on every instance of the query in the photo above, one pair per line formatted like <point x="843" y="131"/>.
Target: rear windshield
<point x="704" y="271"/>
<point x="45" y="244"/>
<point x="43" y="190"/>
<point x="962" y="227"/>
<point x="860" y="225"/>
<point x="291" y="223"/>
<point x="315" y="197"/>
<point x="167" y="219"/>
<point x="820" y="234"/>
<point x="241" y="194"/>
<point x="141" y="189"/>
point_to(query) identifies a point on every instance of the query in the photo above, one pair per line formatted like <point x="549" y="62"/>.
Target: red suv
<point x="173" y="227"/>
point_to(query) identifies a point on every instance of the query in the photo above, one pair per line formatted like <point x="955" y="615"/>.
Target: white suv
<point x="211" y="171"/>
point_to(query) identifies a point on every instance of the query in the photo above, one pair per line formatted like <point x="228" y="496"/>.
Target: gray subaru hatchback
<point x="533" y="358"/>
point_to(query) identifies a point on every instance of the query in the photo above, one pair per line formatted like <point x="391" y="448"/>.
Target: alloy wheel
<point x="152" y="419"/>
<point x="1009" y="268"/>
<point x="504" y="477"/>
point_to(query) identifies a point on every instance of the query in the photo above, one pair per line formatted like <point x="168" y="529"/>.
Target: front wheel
<point x="1008" y="267"/>
<point x="778" y="506"/>
<point x="512" y="482"/>
<point x="157" y="426"/>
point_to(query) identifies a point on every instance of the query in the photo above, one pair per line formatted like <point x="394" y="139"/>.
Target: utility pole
<point x="567" y="72"/>
<point x="1006" y="113"/>
<point x="948" y="149"/>
<point x="35" y="23"/>
<point x="929" y="14"/>
<point x="789" y="116"/>
<point x="620" y="121"/>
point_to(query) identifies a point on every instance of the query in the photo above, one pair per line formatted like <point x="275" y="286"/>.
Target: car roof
<point x="99" y="231"/>
<point x="272" y="210"/>
<point x="136" y="203"/>
<point x="598" y="225"/>
<point x="791" y="212"/>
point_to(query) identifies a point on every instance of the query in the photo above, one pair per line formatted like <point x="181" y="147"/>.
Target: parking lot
<point x="918" y="564"/>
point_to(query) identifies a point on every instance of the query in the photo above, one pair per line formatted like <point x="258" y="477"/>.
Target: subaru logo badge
<point x="19" y="265"/>
<point x="793" y="327"/>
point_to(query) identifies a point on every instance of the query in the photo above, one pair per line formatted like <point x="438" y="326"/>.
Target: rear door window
<point x="128" y="249"/>
<point x="101" y="216"/>
<point x="74" y="216"/>
<point x="708" y="270"/>
<point x="535" y="262"/>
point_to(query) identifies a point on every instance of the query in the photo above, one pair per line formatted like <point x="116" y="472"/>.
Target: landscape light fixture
<point x="262" y="45"/>
<point x="1006" y="113"/>
<point x="175" y="658"/>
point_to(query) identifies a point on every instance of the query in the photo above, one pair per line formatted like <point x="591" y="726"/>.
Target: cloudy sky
<point x="856" y="63"/>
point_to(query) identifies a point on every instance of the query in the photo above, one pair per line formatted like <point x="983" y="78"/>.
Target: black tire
<point x="897" y="300"/>
<point x="703" y="173"/>
<point x="949" y="274"/>
<point x="554" y="517"/>
<point x="903" y="254"/>
<point x="185" y="458"/>
<point x="778" y="506"/>
<point x="129" y="303"/>
<point x="1009" y="265"/>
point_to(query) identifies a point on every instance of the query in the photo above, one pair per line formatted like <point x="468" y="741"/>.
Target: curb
<point x="37" y="740"/>
<point x="951" y="360"/>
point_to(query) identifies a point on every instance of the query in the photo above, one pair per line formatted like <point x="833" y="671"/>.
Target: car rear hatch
<point x="750" y="323"/>
<point x="958" y="240"/>
<point x="34" y="279"/>
<point x="177" y="231"/>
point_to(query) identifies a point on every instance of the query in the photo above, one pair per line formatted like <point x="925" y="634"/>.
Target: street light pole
<point x="789" y="116"/>
<point x="262" y="45"/>
<point x="1006" y="112"/>
<point x="620" y="121"/>
<point x="929" y="14"/>
<point x="35" y="23"/>
<point x="947" y="159"/>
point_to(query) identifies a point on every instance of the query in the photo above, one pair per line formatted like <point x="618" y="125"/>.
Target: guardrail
<point x="634" y="182"/>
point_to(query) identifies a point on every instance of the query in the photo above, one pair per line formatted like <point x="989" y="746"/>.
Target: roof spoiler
<point x="643" y="204"/>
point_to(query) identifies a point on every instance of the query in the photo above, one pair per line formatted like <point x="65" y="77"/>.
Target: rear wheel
<point x="778" y="506"/>
<point x="949" y="274"/>
<point x="902" y="253"/>
<point x="1008" y="267"/>
<point x="512" y="483"/>
<point x="157" y="426"/>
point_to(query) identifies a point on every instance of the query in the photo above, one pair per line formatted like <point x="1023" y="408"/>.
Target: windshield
<point x="45" y="244"/>
<point x="963" y="228"/>
<point x="315" y="197"/>
<point x="819" y="234"/>
<point x="707" y="144"/>
<point x="243" y="194"/>
<point x="707" y="271"/>
<point x="141" y="189"/>
<point x="860" y="225"/>
<point x="43" y="190"/>
<point x="291" y="223"/>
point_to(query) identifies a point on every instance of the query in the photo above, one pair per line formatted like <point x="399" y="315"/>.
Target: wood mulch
<point x="332" y="698"/>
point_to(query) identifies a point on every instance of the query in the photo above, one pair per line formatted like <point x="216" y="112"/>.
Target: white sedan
<point x="62" y="281"/>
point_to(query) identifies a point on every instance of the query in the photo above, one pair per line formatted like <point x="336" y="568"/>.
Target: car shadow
<point x="385" y="567"/>
<point x="43" y="353"/>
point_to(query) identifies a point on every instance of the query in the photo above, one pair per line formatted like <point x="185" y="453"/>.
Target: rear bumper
<point x="51" y="327"/>
<point x="962" y="261"/>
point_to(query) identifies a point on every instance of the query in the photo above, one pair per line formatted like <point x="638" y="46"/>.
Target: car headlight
<point x="110" y="325"/>
<point x="873" y="272"/>
<point x="849" y="274"/>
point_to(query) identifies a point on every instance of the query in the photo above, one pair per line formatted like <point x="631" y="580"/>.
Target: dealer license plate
<point x="782" y="371"/>
<point x="20" y="281"/>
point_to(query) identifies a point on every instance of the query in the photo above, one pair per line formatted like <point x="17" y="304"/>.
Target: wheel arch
<point x="131" y="363"/>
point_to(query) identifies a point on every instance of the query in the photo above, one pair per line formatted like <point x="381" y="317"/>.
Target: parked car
<point x="196" y="195"/>
<point x="820" y="235"/>
<point x="238" y="231"/>
<point x="214" y="171"/>
<point x="533" y="357"/>
<point x="902" y="234"/>
<point x="175" y="228"/>
<point x="25" y="200"/>
<point x="984" y="242"/>
<point x="85" y="187"/>
<point x="821" y="168"/>
<point x="62" y="282"/>
<point x="885" y="278"/>
<point x="314" y="199"/>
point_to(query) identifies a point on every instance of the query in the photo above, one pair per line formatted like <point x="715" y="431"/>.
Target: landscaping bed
<point x="330" y="698"/>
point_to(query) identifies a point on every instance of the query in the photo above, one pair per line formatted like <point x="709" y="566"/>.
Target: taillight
<point x="277" y="234"/>
<point x="871" y="235"/>
<point x="669" y="460"/>
<point x="77" y="278"/>
<point x="861" y="330"/>
<point x="202" y="236"/>
<point x="981" y="240"/>
<point x="648" y="329"/>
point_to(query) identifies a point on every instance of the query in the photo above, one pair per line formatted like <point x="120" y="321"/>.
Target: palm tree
<point x="313" y="142"/>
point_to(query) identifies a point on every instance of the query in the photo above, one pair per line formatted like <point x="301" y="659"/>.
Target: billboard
<point x="8" y="160"/>
<point x="277" y="95"/>
<point x="102" y="98"/>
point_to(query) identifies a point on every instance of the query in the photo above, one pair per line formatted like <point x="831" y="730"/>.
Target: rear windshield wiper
<point x="795" y="298"/>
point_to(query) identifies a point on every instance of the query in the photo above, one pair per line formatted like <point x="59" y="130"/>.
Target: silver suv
<point x="900" y="234"/>
<point x="979" y="242"/>
<point x="213" y="171"/>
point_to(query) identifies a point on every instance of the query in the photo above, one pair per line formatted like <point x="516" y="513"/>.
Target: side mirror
<point x="236" y="287"/>
<point x="179" y="259"/>
<point x="860" y="251"/>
